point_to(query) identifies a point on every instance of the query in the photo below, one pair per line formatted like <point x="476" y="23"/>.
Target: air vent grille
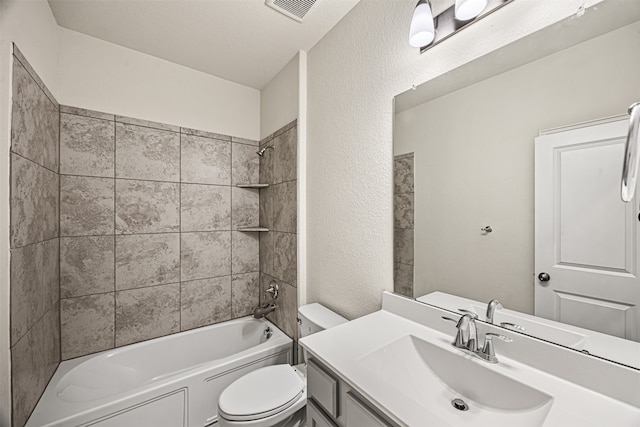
<point x="294" y="9"/>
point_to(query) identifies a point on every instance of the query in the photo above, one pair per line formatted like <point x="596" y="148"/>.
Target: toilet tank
<point x="316" y="317"/>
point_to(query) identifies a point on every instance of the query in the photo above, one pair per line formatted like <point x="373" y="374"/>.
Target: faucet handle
<point x="513" y="326"/>
<point x="488" y="353"/>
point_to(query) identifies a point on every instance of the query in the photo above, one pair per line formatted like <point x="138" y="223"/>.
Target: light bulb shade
<point x="422" y="31"/>
<point x="469" y="9"/>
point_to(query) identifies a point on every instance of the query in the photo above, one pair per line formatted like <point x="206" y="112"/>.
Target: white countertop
<point x="340" y="348"/>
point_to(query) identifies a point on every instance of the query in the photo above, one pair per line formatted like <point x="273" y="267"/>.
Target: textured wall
<point x="103" y="76"/>
<point x="353" y="74"/>
<point x="35" y="280"/>
<point x="278" y="212"/>
<point x="403" y="220"/>
<point x="148" y="222"/>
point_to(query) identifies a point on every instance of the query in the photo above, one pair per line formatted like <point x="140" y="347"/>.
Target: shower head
<point x="261" y="151"/>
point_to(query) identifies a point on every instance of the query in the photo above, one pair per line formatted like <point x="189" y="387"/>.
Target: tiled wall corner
<point x="278" y="212"/>
<point x="148" y="219"/>
<point x="34" y="276"/>
<point x="403" y="170"/>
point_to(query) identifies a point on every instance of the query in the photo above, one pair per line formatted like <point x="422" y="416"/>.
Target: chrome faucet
<point x="493" y="305"/>
<point x="467" y="338"/>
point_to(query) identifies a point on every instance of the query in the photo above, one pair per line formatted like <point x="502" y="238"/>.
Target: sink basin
<point x="534" y="328"/>
<point x="434" y="374"/>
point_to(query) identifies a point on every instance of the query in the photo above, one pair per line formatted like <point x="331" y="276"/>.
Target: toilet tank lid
<point x="320" y="315"/>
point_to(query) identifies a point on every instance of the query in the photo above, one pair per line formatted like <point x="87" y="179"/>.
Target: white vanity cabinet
<point x="333" y="403"/>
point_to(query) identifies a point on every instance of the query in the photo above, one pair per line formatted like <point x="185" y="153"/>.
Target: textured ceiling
<point x="239" y="40"/>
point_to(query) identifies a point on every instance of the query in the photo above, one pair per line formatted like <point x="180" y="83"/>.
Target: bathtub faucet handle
<point x="273" y="289"/>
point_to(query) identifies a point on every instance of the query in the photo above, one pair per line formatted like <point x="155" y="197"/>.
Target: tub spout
<point x="263" y="310"/>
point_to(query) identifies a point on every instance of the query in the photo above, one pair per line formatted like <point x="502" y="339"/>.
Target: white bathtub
<point x="171" y="381"/>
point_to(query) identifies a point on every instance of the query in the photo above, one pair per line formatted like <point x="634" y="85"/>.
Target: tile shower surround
<point x="403" y="234"/>
<point x="278" y="212"/>
<point x="34" y="277"/>
<point x="148" y="223"/>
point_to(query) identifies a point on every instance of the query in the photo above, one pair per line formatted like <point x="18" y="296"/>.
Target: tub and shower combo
<point x="173" y="381"/>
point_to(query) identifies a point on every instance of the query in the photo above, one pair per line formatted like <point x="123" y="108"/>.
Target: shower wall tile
<point x="285" y="155"/>
<point x="245" y="167"/>
<point x="17" y="55"/>
<point x="147" y="207"/>
<point x="245" y="205"/>
<point x="26" y="289"/>
<point x="285" y="128"/>
<point x="267" y="254"/>
<point x="205" y="160"/>
<point x="50" y="273"/>
<point x="205" y="254"/>
<point x="50" y="204"/>
<point x="51" y="129"/>
<point x="147" y="259"/>
<point x="245" y="249"/>
<point x="28" y="377"/>
<point x="86" y="113"/>
<point x="285" y="207"/>
<point x="403" y="245"/>
<point x="285" y="259"/>
<point x="86" y="206"/>
<point x="205" y="302"/>
<point x="86" y="324"/>
<point x="285" y="316"/>
<point x="147" y="123"/>
<point x="86" y="265"/>
<point x="160" y="316"/>
<point x="266" y="207"/>
<point x="87" y="146"/>
<point x="244" y="141"/>
<point x="245" y="294"/>
<point x="146" y="153"/>
<point x="403" y="210"/>
<point x="27" y="135"/>
<point x="205" y="134"/>
<point x="403" y="279"/>
<point x="26" y="202"/>
<point x="205" y="207"/>
<point x="403" y="173"/>
<point x="51" y="338"/>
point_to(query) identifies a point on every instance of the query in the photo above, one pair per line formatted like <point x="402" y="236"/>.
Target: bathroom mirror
<point x="465" y="178"/>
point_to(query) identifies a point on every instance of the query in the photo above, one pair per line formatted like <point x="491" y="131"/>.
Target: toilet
<point x="275" y="396"/>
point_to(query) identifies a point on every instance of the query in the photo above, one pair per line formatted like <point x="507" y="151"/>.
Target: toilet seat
<point x="261" y="393"/>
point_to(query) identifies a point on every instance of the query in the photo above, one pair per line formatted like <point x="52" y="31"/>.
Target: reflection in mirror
<point x="507" y="185"/>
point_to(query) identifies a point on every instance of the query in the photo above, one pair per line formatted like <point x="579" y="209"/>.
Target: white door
<point x="586" y="238"/>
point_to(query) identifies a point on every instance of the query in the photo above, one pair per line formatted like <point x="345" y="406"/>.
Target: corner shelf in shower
<point x="253" y="229"/>
<point x="252" y="185"/>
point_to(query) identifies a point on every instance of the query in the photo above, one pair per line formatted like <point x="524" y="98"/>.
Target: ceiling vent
<point x="294" y="9"/>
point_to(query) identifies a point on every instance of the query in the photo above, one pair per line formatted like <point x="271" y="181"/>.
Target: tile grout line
<point x="115" y="279"/>
<point x="59" y="240"/>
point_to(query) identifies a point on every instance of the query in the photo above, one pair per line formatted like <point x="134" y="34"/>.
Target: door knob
<point x="544" y="277"/>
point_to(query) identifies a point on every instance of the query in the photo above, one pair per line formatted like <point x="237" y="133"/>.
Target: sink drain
<point x="460" y="405"/>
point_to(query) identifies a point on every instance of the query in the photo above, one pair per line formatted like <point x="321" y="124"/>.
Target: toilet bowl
<point x="274" y="396"/>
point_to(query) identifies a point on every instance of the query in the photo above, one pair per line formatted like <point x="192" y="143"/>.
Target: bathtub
<point x="171" y="381"/>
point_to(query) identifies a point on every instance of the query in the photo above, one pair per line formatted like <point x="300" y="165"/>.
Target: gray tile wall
<point x="278" y="212"/>
<point x="34" y="276"/>
<point x="403" y="224"/>
<point x="149" y="245"/>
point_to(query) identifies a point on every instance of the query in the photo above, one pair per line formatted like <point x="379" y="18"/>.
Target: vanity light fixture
<point x="422" y="31"/>
<point x="428" y="30"/>
<point x="469" y="9"/>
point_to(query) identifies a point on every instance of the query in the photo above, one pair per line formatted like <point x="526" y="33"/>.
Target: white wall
<point x="31" y="25"/>
<point x="102" y="76"/>
<point x="482" y="171"/>
<point x="353" y="74"/>
<point x="279" y="99"/>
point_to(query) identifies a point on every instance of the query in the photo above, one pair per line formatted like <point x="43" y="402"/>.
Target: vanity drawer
<point x="359" y="415"/>
<point x="323" y="388"/>
<point x="315" y="417"/>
